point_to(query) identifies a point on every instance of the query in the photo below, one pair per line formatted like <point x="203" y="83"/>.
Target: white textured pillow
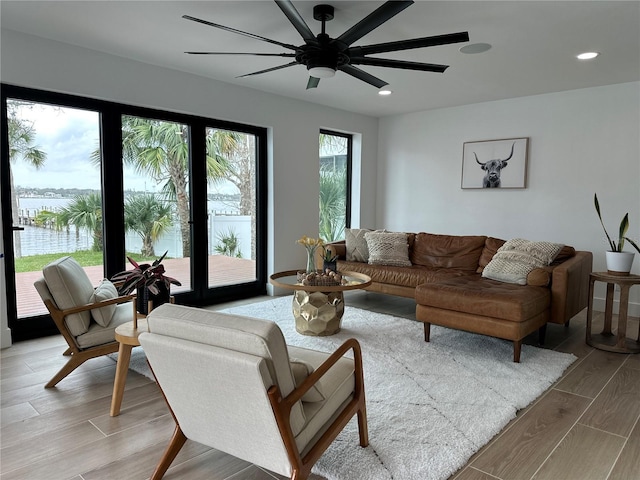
<point x="301" y="370"/>
<point x="518" y="257"/>
<point x="104" y="291"/>
<point x="387" y="248"/>
<point x="356" y="245"/>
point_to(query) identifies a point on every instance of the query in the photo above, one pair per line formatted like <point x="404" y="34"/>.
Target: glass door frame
<point x="112" y="187"/>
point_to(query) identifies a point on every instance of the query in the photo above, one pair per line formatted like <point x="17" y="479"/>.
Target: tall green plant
<point x="333" y="198"/>
<point x="622" y="231"/>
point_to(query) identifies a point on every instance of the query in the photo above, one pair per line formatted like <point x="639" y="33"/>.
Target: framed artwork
<point x="495" y="163"/>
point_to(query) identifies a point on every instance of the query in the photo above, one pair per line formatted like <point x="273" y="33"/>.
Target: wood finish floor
<point x="585" y="427"/>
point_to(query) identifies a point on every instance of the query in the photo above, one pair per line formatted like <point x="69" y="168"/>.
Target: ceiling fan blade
<point x="384" y="62"/>
<point x="288" y="55"/>
<point x="313" y="82"/>
<point x="296" y="20"/>
<point x="382" y="14"/>
<point x="362" y="75"/>
<point x="410" y="44"/>
<point x="240" y="32"/>
<point x="269" y="69"/>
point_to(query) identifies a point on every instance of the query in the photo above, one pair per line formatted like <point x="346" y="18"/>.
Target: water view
<point x="35" y="240"/>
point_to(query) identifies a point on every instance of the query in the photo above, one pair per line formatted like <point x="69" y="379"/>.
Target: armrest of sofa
<point x="570" y="287"/>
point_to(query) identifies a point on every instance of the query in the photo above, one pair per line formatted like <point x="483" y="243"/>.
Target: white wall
<point x="581" y="142"/>
<point x="293" y="125"/>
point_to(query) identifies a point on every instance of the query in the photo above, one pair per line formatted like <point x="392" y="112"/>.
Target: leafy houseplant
<point x="617" y="248"/>
<point x="148" y="279"/>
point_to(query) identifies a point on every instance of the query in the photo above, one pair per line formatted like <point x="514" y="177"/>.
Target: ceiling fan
<point x="323" y="55"/>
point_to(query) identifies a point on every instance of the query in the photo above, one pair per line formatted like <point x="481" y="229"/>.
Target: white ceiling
<point x="534" y="45"/>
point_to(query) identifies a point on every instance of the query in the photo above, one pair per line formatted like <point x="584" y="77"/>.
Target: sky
<point x="68" y="137"/>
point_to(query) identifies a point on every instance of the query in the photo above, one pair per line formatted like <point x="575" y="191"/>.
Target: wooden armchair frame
<point x="78" y="355"/>
<point x="301" y="466"/>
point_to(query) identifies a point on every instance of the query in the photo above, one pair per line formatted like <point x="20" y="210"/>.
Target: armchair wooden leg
<point x="73" y="363"/>
<point x="363" y="430"/>
<point x="67" y="352"/>
<point x="175" y="445"/>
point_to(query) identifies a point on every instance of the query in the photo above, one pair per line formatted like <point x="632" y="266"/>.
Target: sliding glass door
<point x="102" y="182"/>
<point x="55" y="193"/>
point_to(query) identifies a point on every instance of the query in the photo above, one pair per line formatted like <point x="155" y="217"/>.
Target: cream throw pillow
<point x="104" y="291"/>
<point x="356" y="244"/>
<point x="518" y="257"/>
<point x="387" y="248"/>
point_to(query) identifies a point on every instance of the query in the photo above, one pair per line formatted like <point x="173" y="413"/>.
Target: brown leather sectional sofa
<point x="446" y="281"/>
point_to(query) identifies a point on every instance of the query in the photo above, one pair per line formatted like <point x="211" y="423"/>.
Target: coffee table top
<point x="288" y="279"/>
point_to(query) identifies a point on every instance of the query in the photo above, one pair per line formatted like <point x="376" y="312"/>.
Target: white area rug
<point x="430" y="406"/>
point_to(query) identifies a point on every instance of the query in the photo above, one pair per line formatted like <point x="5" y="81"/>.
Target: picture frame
<point x="485" y="162"/>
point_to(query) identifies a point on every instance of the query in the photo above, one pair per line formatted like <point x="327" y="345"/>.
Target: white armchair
<point x="86" y="316"/>
<point x="232" y="383"/>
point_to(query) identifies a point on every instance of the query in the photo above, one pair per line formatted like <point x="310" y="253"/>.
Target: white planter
<point x="619" y="263"/>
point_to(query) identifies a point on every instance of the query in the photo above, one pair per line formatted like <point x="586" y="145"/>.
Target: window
<point x="117" y="180"/>
<point x="335" y="184"/>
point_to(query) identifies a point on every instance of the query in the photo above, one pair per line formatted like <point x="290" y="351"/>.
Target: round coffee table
<point x="318" y="309"/>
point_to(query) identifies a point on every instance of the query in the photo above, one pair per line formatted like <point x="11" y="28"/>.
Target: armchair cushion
<point x="104" y="291"/>
<point x="98" y="335"/>
<point x="70" y="287"/>
<point x="301" y="370"/>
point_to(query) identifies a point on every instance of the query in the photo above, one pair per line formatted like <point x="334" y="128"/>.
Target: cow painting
<point x="493" y="169"/>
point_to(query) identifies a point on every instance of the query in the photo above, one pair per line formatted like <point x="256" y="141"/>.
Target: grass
<point x="86" y="258"/>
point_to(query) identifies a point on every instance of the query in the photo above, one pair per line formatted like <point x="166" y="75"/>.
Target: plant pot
<point x="619" y="263"/>
<point x="332" y="266"/>
<point x="144" y="296"/>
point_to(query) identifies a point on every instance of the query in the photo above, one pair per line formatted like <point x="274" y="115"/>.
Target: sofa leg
<point x="427" y="331"/>
<point x="566" y="324"/>
<point x="542" y="333"/>
<point x="517" y="346"/>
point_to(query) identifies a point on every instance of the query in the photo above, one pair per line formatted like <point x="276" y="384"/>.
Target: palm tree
<point x="160" y="149"/>
<point x="84" y="211"/>
<point x="21" y="138"/>
<point x="333" y="195"/>
<point x="149" y="218"/>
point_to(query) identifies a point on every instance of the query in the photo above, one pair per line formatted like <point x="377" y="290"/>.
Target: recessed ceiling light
<point x="475" y="48"/>
<point x="587" y="55"/>
<point x="385" y="91"/>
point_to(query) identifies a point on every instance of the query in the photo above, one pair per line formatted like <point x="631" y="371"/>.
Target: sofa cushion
<point x="70" y="287"/>
<point x="357" y="250"/>
<point x="401" y="276"/>
<point x="386" y="248"/>
<point x="491" y="246"/>
<point x="480" y="296"/>
<point x="104" y="291"/>
<point x="517" y="257"/>
<point x="447" y="251"/>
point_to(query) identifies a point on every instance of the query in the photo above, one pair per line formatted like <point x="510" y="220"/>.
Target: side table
<point x="606" y="340"/>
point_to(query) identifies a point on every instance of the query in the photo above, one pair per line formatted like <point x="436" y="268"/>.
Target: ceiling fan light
<point x="385" y="91"/>
<point x="322" y="72"/>
<point x="587" y="55"/>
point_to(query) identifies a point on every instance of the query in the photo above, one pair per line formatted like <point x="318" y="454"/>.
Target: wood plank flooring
<point x="585" y="427"/>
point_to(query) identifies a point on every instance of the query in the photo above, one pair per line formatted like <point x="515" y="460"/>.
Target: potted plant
<point x="329" y="260"/>
<point x="618" y="261"/>
<point x="150" y="282"/>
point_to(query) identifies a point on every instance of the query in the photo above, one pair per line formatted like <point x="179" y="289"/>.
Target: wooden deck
<point x="223" y="270"/>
